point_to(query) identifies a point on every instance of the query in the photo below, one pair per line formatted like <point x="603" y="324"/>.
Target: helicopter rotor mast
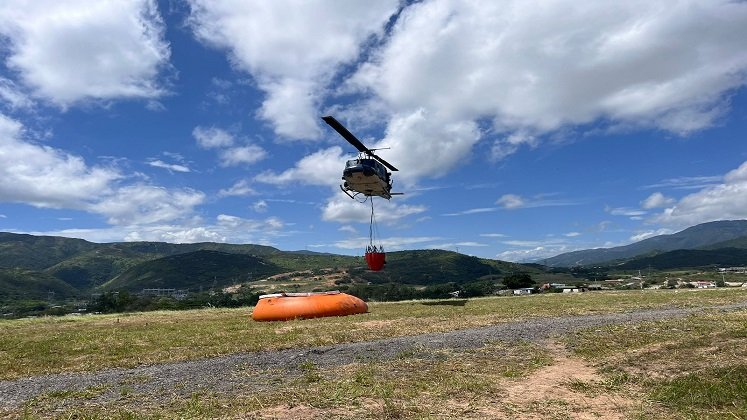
<point x="347" y="135"/>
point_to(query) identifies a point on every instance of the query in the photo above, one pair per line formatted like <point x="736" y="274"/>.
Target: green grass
<point x="87" y="343"/>
<point x="679" y="368"/>
<point x="713" y="392"/>
<point x="685" y="368"/>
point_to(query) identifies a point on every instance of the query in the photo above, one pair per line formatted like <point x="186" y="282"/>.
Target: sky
<point x="521" y="129"/>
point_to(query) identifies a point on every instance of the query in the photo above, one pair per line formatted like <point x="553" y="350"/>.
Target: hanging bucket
<point x="375" y="260"/>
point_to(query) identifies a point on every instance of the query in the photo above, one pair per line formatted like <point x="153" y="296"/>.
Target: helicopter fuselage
<point x="368" y="177"/>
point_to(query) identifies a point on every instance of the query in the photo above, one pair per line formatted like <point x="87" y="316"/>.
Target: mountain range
<point x="707" y="236"/>
<point x="33" y="266"/>
<point x="36" y="267"/>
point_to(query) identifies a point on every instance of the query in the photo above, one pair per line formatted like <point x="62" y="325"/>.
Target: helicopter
<point x="367" y="174"/>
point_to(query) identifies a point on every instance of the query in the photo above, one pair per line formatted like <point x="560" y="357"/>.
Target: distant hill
<point x="425" y="267"/>
<point x="689" y="258"/>
<point x="23" y="284"/>
<point x="34" y="266"/>
<point x="38" y="252"/>
<point x="192" y="270"/>
<point x="740" y="242"/>
<point x="695" y="237"/>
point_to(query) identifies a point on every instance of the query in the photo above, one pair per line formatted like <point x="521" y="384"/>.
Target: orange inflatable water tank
<point x="287" y="306"/>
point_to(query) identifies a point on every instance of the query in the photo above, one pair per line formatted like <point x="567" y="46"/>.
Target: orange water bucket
<point x="375" y="260"/>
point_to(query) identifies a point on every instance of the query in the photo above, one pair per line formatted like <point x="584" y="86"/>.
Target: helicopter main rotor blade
<point x="347" y="135"/>
<point x="385" y="163"/>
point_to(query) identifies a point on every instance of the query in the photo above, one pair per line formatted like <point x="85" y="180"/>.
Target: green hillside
<point x="696" y="237"/>
<point x="93" y="268"/>
<point x="73" y="267"/>
<point x="38" y="252"/>
<point x="193" y="270"/>
<point x="689" y="258"/>
<point x="425" y="267"/>
<point x="740" y="242"/>
<point x="22" y="284"/>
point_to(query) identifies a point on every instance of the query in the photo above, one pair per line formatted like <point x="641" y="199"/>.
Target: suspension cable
<point x="370" y="226"/>
<point x="373" y="230"/>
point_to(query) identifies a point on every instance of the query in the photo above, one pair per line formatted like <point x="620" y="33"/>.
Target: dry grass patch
<point x="418" y="383"/>
<point x="561" y="390"/>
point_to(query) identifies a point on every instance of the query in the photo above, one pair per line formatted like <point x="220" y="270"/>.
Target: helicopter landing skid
<point x="347" y="193"/>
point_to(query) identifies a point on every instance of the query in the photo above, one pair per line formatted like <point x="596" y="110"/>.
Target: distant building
<point x="702" y="284"/>
<point x="524" y="291"/>
<point x="733" y="269"/>
<point x="172" y="293"/>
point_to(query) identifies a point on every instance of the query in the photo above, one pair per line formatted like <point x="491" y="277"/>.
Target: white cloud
<point x="260" y="206"/>
<point x="12" y="95"/>
<point x="423" y="145"/>
<point x="292" y="49"/>
<point x="724" y="201"/>
<point x="147" y="204"/>
<point x="242" y="155"/>
<point x="507" y="145"/>
<point x="175" y="234"/>
<point x="624" y="211"/>
<point x="240" y="188"/>
<point x="471" y="211"/>
<point x="391" y="243"/>
<point x="250" y="225"/>
<point x="537" y="253"/>
<point x="169" y="166"/>
<point x="225" y="143"/>
<point x="493" y="235"/>
<point x="212" y="137"/>
<point x="76" y="50"/>
<point x="224" y="228"/>
<point x="511" y="201"/>
<point x="340" y="208"/>
<point x="535" y="70"/>
<point x="323" y="167"/>
<point x="572" y="234"/>
<point x="46" y="177"/>
<point x="687" y="182"/>
<point x="42" y="176"/>
<point x="639" y="236"/>
<point x="451" y="246"/>
<point x="534" y="250"/>
<point x="657" y="200"/>
<point x="348" y="229"/>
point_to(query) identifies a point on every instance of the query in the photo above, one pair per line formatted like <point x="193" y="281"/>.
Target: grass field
<point x="686" y="368"/>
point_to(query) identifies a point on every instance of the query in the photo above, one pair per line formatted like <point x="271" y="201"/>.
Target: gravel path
<point x="251" y="371"/>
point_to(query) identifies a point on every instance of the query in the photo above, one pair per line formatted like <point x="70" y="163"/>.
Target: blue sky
<point x="521" y="129"/>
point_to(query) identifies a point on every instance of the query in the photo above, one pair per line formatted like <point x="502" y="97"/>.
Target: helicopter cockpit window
<point x="373" y="164"/>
